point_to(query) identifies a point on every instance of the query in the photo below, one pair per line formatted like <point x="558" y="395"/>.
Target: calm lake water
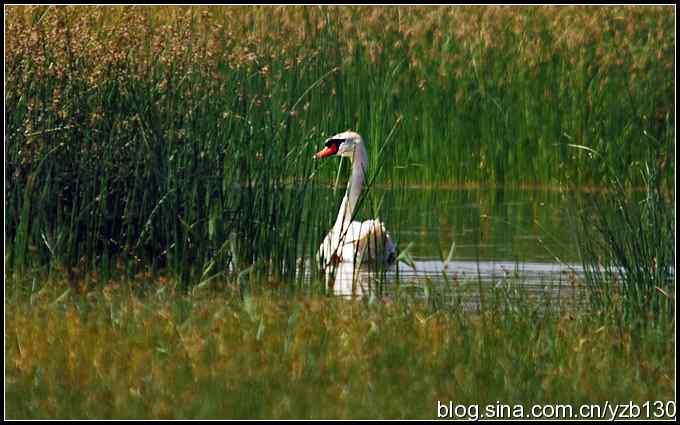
<point x="511" y="238"/>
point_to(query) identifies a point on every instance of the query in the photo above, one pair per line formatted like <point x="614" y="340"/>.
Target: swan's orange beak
<point x="327" y="151"/>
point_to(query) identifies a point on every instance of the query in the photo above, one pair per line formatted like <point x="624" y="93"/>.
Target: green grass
<point x="128" y="353"/>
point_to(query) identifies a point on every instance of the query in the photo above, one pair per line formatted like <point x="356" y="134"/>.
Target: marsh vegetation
<point x="163" y="208"/>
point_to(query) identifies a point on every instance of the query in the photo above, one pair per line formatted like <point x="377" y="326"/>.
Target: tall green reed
<point x="165" y="171"/>
<point x="627" y="243"/>
<point x="169" y="146"/>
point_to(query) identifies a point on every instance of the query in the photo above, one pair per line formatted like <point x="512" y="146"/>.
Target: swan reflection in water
<point x="348" y="279"/>
<point x="547" y="281"/>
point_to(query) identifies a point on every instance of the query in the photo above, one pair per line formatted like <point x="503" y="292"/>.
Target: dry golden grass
<point x="111" y="354"/>
<point x="56" y="40"/>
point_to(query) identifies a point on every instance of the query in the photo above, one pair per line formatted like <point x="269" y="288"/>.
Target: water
<point x="480" y="238"/>
<point x="518" y="225"/>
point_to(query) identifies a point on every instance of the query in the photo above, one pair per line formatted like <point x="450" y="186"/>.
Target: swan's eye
<point x="336" y="142"/>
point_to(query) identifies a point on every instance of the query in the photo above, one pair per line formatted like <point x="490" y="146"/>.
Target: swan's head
<point x="342" y="144"/>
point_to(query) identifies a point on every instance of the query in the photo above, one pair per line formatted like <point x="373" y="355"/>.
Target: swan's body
<point x="353" y="241"/>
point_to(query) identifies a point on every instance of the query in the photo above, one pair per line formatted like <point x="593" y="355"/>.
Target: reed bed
<point x="119" y="354"/>
<point x="162" y="137"/>
<point x="492" y="93"/>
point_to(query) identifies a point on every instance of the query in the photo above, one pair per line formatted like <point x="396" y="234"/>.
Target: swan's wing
<point x="357" y="230"/>
<point x="345" y="250"/>
<point x="372" y="241"/>
<point x="363" y="241"/>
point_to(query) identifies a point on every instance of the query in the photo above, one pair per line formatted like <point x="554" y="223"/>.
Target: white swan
<point x="353" y="241"/>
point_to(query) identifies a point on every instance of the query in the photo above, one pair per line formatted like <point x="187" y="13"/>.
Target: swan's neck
<point x="354" y="187"/>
